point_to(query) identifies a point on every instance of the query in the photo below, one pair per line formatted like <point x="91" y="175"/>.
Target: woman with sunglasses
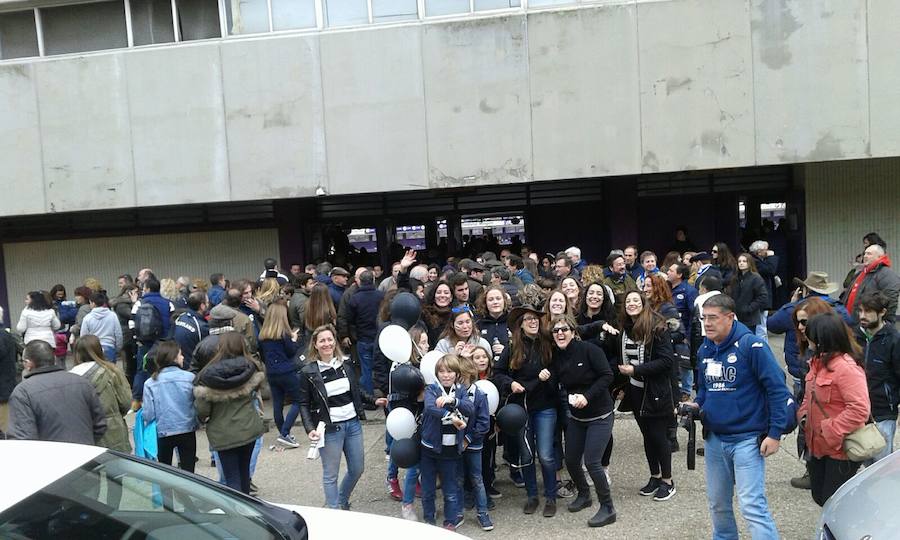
<point x="461" y="335"/>
<point x="523" y="373"/>
<point x="585" y="375"/>
<point x="647" y="359"/>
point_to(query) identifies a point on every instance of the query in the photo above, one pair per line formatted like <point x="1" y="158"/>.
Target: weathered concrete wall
<point x="606" y="89"/>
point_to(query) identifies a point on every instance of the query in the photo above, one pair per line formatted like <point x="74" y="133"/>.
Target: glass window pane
<point x="394" y="10"/>
<point x="151" y="22"/>
<point x="481" y="5"/>
<point x="198" y="19"/>
<point x="18" y="35"/>
<point x="536" y="3"/>
<point x="445" y="7"/>
<point x="346" y="12"/>
<point x="84" y="27"/>
<point x="247" y="16"/>
<point x="287" y="14"/>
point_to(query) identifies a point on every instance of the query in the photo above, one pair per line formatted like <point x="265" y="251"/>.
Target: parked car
<point x="865" y="507"/>
<point x="60" y="490"/>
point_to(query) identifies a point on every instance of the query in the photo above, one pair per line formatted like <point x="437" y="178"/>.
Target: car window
<point x="117" y="498"/>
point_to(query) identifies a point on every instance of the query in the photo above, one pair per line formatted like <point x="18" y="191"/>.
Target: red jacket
<point x="842" y="392"/>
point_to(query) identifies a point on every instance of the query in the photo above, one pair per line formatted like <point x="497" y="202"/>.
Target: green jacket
<point x="230" y="414"/>
<point x="115" y="397"/>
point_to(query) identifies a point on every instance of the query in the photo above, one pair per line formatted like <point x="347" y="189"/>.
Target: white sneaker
<point x="408" y="512"/>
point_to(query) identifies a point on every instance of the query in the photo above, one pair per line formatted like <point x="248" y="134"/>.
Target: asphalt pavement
<point x="286" y="476"/>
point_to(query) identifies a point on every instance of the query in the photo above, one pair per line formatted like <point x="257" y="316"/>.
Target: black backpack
<point x="148" y="325"/>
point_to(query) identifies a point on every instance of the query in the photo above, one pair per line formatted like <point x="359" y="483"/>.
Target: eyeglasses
<point x="562" y="330"/>
<point x="802" y="322"/>
<point x="530" y="318"/>
<point x="715" y="251"/>
<point x="463" y="308"/>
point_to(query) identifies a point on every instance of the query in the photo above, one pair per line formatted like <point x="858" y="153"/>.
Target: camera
<point x="687" y="418"/>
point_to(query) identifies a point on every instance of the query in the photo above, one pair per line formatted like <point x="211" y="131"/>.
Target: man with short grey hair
<point x="876" y="274"/>
<point x="578" y="263"/>
<point x="52" y="404"/>
<point x="767" y="266"/>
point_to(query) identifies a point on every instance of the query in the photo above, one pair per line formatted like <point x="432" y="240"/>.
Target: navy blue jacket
<point x="750" y="397"/>
<point x="683" y="296"/>
<point x="336" y="293"/>
<point x="432" y="438"/>
<point x="781" y="322"/>
<point x="190" y="328"/>
<point x="479" y="424"/>
<point x="163" y="306"/>
<point x="279" y="354"/>
<point x="216" y="294"/>
<point x="362" y="313"/>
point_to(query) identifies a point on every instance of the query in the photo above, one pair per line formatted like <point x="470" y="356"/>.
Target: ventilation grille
<point x="776" y="178"/>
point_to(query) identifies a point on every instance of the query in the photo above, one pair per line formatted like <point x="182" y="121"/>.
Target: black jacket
<point x="582" y="368"/>
<point x="538" y="395"/>
<point x="882" y="356"/>
<point x="362" y="313"/>
<point x="314" y="397"/>
<point x="750" y="297"/>
<point x="656" y="374"/>
<point x="8" y="355"/>
<point x="492" y="328"/>
<point x="768" y="269"/>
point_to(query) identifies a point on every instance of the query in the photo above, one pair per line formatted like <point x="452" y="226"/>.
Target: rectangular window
<point x="151" y="22"/>
<point x="18" y="35"/>
<point x="445" y="7"/>
<point x="247" y="16"/>
<point x="84" y="27"/>
<point x="289" y="14"/>
<point x="346" y="12"/>
<point x="198" y="19"/>
<point x="394" y="10"/>
<point x="538" y="3"/>
<point x="481" y="5"/>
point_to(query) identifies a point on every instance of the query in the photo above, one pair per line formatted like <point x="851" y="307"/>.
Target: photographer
<point x="742" y="399"/>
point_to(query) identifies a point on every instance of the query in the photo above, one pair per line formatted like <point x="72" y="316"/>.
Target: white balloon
<point x="395" y="343"/>
<point x="401" y="423"/>
<point x="493" y="396"/>
<point x="428" y="364"/>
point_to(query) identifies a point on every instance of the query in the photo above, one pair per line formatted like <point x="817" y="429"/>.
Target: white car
<point x="865" y="507"/>
<point x="71" y="491"/>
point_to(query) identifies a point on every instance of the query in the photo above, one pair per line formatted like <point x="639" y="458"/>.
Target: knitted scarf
<point x="869" y="268"/>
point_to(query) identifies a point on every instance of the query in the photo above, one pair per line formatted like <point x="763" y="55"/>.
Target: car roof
<point x="28" y="466"/>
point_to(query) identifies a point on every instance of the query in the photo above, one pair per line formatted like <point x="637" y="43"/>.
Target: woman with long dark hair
<point x="585" y="375"/>
<point x="436" y="310"/>
<point x="461" y="335"/>
<point x="38" y="320"/>
<point x="319" y="312"/>
<point x="523" y="373"/>
<point x="748" y="289"/>
<point x="724" y="262"/>
<point x="835" y="405"/>
<point x="648" y="359"/>
<point x="225" y="392"/>
<point x="169" y="399"/>
<point x="492" y="309"/>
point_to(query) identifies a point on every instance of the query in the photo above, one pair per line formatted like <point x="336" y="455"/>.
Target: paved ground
<point x="288" y="477"/>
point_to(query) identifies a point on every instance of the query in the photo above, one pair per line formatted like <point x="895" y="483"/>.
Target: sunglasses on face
<point x="802" y="322"/>
<point x="562" y="330"/>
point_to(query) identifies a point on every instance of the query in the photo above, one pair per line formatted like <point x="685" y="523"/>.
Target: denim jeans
<point x="738" y="464"/>
<point x="254" y="456"/>
<point x="687" y="381"/>
<point x="760" y="330"/>
<point x="540" y="433"/>
<point x="365" y="350"/>
<point x="342" y="438"/>
<point x="409" y="484"/>
<point x="285" y="384"/>
<point x="140" y="374"/>
<point x="887" y="428"/>
<point x="392" y="468"/>
<point x="235" y="464"/>
<point x="431" y="465"/>
<point x="110" y="353"/>
<point x="470" y="469"/>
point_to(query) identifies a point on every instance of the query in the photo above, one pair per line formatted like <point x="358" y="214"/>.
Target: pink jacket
<point x="842" y="392"/>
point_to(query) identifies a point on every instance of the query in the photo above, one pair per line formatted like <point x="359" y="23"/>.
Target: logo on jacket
<point x="732" y="358"/>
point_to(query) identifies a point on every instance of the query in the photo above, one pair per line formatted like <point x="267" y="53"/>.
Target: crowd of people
<point x="568" y="342"/>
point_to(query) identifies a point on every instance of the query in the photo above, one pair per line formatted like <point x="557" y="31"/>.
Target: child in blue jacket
<point x="477" y="427"/>
<point x="443" y="436"/>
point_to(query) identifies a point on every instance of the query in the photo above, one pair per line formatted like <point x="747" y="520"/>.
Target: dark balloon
<point x="405" y="452"/>
<point x="405" y="310"/>
<point x="407" y="379"/>
<point x="511" y="419"/>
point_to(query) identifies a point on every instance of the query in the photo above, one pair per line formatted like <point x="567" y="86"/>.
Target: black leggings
<point x="186" y="443"/>
<point x="588" y="440"/>
<point x="236" y="466"/>
<point x="655" y="431"/>
<point x="826" y="475"/>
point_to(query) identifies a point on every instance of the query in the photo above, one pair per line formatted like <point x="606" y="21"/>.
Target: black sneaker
<point x="517" y="479"/>
<point x="651" y="487"/>
<point x="493" y="493"/>
<point x="531" y="505"/>
<point x="664" y="492"/>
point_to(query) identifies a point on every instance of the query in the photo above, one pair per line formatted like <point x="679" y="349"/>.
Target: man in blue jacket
<point x="362" y="317"/>
<point x="190" y="327"/>
<point x="743" y="406"/>
<point x="781" y="322"/>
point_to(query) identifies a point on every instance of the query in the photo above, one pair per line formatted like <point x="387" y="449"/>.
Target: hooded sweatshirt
<point x="746" y="394"/>
<point x="104" y="324"/>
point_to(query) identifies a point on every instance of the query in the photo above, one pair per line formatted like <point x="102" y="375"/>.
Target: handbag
<point x="864" y="443"/>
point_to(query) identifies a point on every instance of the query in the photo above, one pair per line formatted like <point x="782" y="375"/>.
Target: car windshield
<point x="114" y="497"/>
